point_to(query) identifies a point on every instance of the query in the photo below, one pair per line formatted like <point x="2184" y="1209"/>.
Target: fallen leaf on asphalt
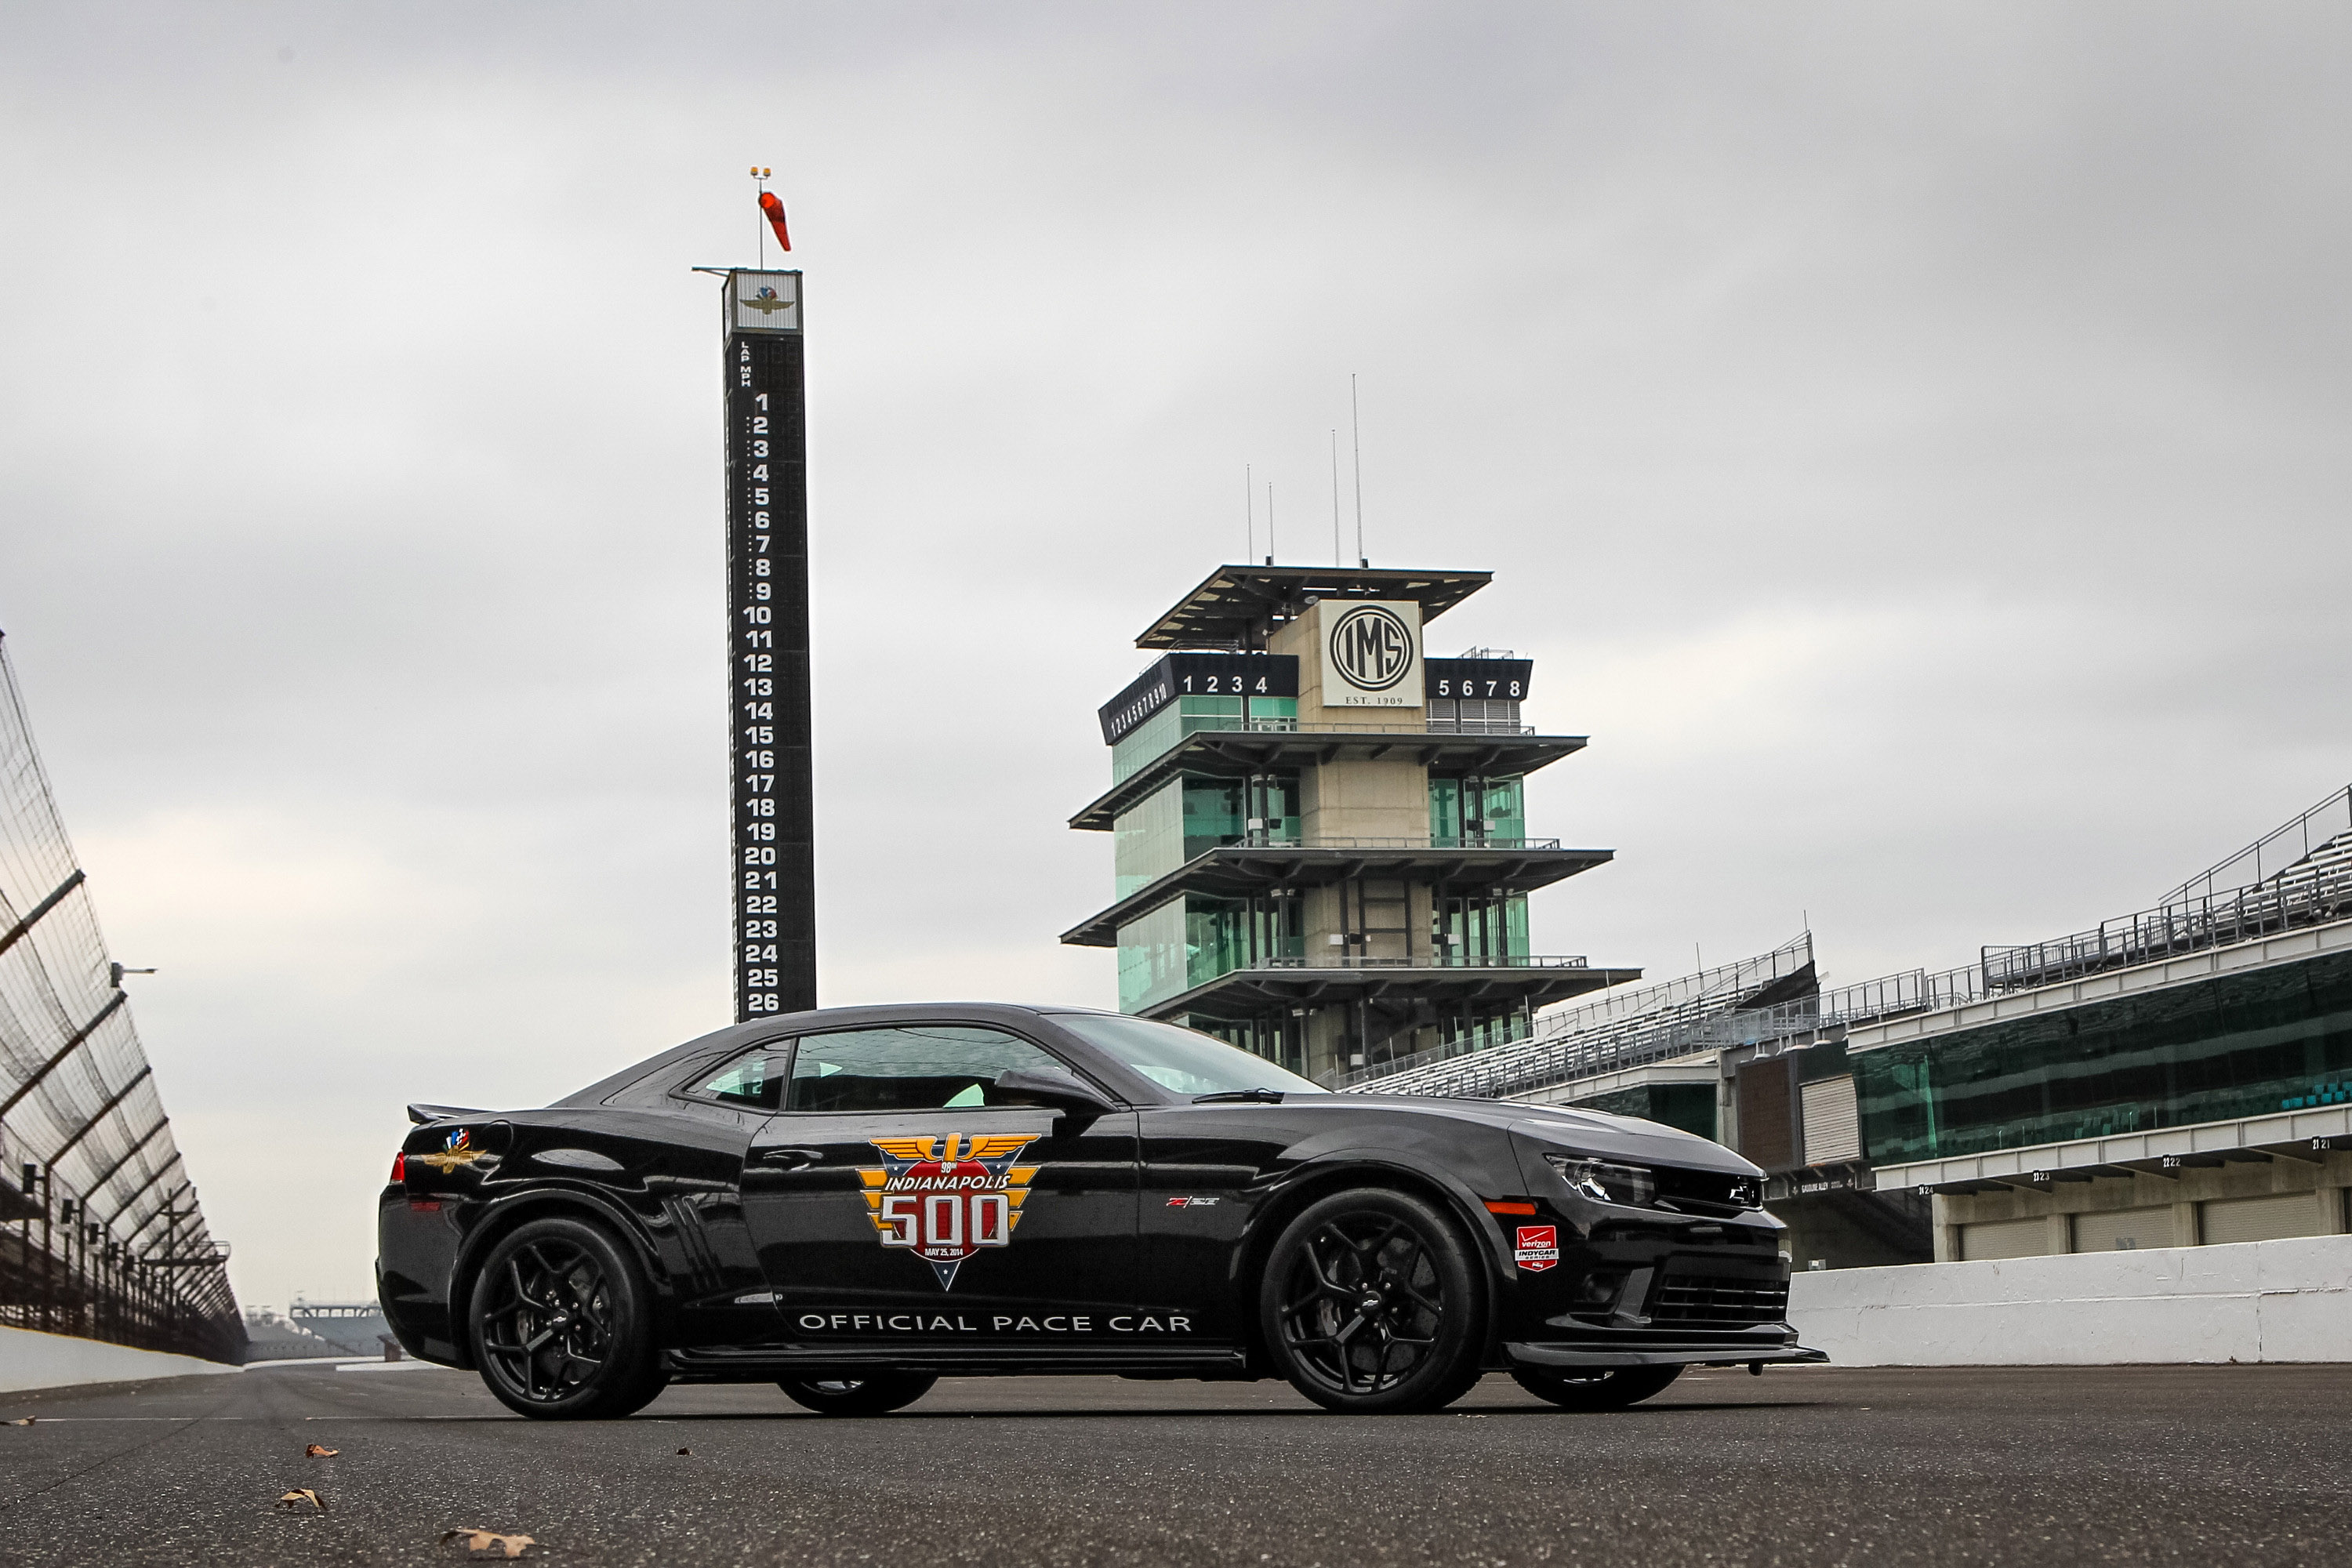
<point x="480" y="1540"/>
<point x="297" y="1499"/>
<point x="319" y="1451"/>
<point x="27" y="1421"/>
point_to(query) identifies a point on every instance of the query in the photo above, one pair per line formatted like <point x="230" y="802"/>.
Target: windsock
<point x="775" y="211"/>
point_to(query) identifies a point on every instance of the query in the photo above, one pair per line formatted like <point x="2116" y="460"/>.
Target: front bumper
<point x="1584" y="1357"/>
<point x="1769" y="1343"/>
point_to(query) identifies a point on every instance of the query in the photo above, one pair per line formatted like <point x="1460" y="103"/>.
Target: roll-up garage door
<point x="1832" y="1130"/>
<point x="2005" y="1238"/>
<point x="2123" y="1231"/>
<point x="2225" y="1220"/>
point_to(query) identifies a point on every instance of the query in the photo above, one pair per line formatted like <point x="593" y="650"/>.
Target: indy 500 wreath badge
<point x="946" y="1198"/>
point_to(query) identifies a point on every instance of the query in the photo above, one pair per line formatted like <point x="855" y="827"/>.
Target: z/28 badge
<point x="946" y="1198"/>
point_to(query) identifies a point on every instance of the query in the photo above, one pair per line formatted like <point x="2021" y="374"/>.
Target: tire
<point x="1372" y="1303"/>
<point x="874" y="1396"/>
<point x="561" y="1322"/>
<point x="1611" y="1390"/>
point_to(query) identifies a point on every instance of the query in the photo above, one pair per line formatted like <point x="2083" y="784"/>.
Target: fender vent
<point x="698" y="1261"/>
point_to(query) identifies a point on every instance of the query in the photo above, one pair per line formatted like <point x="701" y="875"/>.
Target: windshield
<point x="1183" y="1061"/>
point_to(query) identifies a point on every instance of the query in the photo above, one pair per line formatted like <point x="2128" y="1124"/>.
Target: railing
<point x="1426" y="960"/>
<point x="1426" y="727"/>
<point x="1700" y="1012"/>
<point x="1478" y="727"/>
<point x="2276" y="853"/>
<point x="2312" y="893"/>
<point x="1124" y="765"/>
<point x="1439" y="841"/>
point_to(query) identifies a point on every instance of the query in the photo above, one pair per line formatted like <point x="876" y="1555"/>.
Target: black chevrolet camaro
<point x="856" y="1201"/>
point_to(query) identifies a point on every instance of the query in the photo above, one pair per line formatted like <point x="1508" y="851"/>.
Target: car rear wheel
<point x="1371" y="1305"/>
<point x="1613" y="1389"/>
<point x="877" y="1395"/>
<point x="562" y="1324"/>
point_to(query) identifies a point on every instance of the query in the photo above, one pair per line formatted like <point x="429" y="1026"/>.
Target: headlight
<point x="1747" y="1191"/>
<point x="1604" y="1183"/>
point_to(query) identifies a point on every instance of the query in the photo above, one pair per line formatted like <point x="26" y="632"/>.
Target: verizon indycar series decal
<point x="1538" y="1248"/>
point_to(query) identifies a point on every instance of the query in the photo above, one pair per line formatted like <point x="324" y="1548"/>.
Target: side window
<point x="755" y="1081"/>
<point x="917" y="1066"/>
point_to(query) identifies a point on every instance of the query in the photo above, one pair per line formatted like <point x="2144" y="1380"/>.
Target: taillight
<point x="400" y="1167"/>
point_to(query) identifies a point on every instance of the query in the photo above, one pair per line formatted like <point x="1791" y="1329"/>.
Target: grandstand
<point x="101" y="1233"/>
<point x="1625" y="1026"/>
<point x="2299" y="875"/>
<point x="1862" y="1102"/>
<point x="313" y="1331"/>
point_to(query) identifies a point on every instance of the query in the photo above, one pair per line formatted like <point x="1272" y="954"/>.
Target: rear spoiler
<point x="421" y="1114"/>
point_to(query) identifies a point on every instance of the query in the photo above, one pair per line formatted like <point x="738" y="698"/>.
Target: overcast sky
<point x="1911" y="441"/>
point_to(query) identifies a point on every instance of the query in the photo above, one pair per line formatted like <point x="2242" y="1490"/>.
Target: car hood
<point x="1586" y="1132"/>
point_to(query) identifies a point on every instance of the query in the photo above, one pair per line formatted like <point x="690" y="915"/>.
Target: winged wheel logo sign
<point x="458" y="1151"/>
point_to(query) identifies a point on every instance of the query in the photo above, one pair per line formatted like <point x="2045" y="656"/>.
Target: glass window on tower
<point x="1480" y="928"/>
<point x="1148" y="838"/>
<point x="1470" y="808"/>
<point x="1185" y="716"/>
<point x="1192" y="816"/>
<point x="1474" y="716"/>
<point x="1191" y="940"/>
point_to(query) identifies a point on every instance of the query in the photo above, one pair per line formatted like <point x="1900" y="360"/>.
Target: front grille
<point x="1714" y="1301"/>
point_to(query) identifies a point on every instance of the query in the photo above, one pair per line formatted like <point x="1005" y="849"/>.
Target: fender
<point x="1468" y="1207"/>
<point x="555" y="1196"/>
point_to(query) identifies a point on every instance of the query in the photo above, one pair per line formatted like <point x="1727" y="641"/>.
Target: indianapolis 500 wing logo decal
<point x="946" y="1198"/>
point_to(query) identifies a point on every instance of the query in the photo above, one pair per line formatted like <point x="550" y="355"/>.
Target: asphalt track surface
<point x="2211" y="1464"/>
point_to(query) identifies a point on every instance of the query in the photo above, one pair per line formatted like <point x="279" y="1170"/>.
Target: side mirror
<point x="1066" y="1094"/>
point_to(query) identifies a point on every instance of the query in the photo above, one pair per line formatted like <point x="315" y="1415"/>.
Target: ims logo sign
<point x="1370" y="658"/>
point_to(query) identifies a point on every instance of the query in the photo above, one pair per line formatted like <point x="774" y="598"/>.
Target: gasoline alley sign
<point x="946" y="1198"/>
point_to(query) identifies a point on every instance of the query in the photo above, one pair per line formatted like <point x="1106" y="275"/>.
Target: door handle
<point x="790" y="1159"/>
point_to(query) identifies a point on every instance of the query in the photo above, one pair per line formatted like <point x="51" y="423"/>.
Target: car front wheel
<point x="874" y="1395"/>
<point x="1371" y="1305"/>
<point x="562" y="1324"/>
<point x="1611" y="1390"/>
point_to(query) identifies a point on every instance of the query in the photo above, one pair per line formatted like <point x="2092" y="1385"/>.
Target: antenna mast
<point x="1337" y="560"/>
<point x="1356" y="434"/>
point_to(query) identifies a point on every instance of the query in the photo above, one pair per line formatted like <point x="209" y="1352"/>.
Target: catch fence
<point x="101" y="1233"/>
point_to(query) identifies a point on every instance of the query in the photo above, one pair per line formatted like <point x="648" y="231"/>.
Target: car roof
<point x="734" y="1037"/>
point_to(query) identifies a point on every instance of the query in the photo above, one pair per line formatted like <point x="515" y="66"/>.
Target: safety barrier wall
<point x="29" y="1358"/>
<point x="2262" y="1300"/>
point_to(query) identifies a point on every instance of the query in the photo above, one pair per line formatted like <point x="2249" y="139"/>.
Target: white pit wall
<point x="32" y="1359"/>
<point x="2264" y="1300"/>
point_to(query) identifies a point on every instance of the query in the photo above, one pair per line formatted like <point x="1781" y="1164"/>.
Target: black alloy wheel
<point x="561" y="1323"/>
<point x="1611" y="1389"/>
<point x="1371" y="1305"/>
<point x="876" y="1394"/>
